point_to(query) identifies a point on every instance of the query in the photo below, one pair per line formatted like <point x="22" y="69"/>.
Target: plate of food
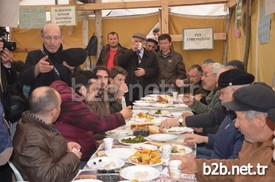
<point x="161" y="137"/>
<point x="116" y="153"/>
<point x="140" y="173"/>
<point x="177" y="130"/>
<point x="146" y="157"/>
<point x="105" y="163"/>
<point x="159" y="112"/>
<point x="142" y="116"/>
<point x="142" y="146"/>
<point x="179" y="149"/>
<point x="129" y="140"/>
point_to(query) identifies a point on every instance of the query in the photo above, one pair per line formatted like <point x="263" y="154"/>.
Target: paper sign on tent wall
<point x="32" y="18"/>
<point x="198" y="38"/>
<point x="65" y="15"/>
<point x="9" y="13"/>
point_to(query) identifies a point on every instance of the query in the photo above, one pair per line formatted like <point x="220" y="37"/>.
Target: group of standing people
<point x="148" y="71"/>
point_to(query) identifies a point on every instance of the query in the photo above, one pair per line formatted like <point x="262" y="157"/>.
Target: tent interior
<point x="228" y="45"/>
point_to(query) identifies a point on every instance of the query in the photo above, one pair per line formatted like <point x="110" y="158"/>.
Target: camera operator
<point x="5" y="58"/>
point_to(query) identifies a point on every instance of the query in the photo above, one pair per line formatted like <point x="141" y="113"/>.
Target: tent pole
<point x="98" y="29"/>
<point x="248" y="33"/>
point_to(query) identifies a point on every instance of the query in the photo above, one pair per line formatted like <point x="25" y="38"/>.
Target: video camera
<point x="4" y="35"/>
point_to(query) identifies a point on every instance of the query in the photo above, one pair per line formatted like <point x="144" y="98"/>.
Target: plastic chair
<point x="16" y="172"/>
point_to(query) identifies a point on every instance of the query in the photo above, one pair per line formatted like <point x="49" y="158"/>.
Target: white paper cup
<point x="166" y="151"/>
<point x="175" y="96"/>
<point x="175" y="173"/>
<point x="108" y="143"/>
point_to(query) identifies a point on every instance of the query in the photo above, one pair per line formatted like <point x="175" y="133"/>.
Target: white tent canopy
<point x="202" y="10"/>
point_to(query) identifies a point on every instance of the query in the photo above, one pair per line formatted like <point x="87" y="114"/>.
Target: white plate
<point x="105" y="163"/>
<point x="179" y="147"/>
<point x="160" y="105"/>
<point x="142" y="104"/>
<point x="163" y="113"/>
<point x="161" y="137"/>
<point x="141" y="173"/>
<point x="117" y="153"/>
<point x="178" y="130"/>
<point x="120" y="140"/>
<point x="180" y="105"/>
<point x="149" y="99"/>
<point x="87" y="180"/>
<point x="144" y="146"/>
<point x="119" y="132"/>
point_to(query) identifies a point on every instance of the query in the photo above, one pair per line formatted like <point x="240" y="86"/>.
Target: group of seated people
<point x="70" y="109"/>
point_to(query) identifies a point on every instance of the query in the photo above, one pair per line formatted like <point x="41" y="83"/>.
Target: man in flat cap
<point x="151" y="45"/>
<point x="252" y="105"/>
<point x="142" y="68"/>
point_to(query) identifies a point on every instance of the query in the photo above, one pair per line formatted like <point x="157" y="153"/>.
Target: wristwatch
<point x="180" y="121"/>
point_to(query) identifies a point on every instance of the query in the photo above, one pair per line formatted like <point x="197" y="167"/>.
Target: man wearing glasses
<point x="193" y="84"/>
<point x="45" y="65"/>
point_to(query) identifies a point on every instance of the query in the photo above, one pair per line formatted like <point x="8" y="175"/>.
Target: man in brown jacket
<point x="252" y="105"/>
<point x="40" y="151"/>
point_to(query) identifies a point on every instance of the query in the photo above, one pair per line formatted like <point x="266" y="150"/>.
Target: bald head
<point x="51" y="27"/>
<point x="51" y="37"/>
<point x="43" y="100"/>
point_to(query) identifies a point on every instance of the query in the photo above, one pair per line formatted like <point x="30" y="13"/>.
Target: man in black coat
<point x="142" y="68"/>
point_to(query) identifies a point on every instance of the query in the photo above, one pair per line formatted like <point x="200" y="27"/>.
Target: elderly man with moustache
<point x="253" y="106"/>
<point x="142" y="68"/>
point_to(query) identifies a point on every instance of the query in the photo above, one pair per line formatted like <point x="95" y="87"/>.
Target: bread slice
<point x="154" y="129"/>
<point x="141" y="125"/>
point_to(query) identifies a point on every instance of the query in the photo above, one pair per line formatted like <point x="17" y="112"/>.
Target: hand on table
<point x="186" y="113"/>
<point x="168" y="123"/>
<point x="194" y="138"/>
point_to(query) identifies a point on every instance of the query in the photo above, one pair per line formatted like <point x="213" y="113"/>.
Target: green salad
<point x="158" y="111"/>
<point x="137" y="139"/>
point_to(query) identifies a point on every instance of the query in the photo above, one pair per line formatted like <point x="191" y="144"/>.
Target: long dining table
<point x="168" y="110"/>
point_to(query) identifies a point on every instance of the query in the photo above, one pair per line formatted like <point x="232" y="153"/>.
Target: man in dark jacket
<point x="110" y="53"/>
<point x="46" y="65"/>
<point x="142" y="68"/>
